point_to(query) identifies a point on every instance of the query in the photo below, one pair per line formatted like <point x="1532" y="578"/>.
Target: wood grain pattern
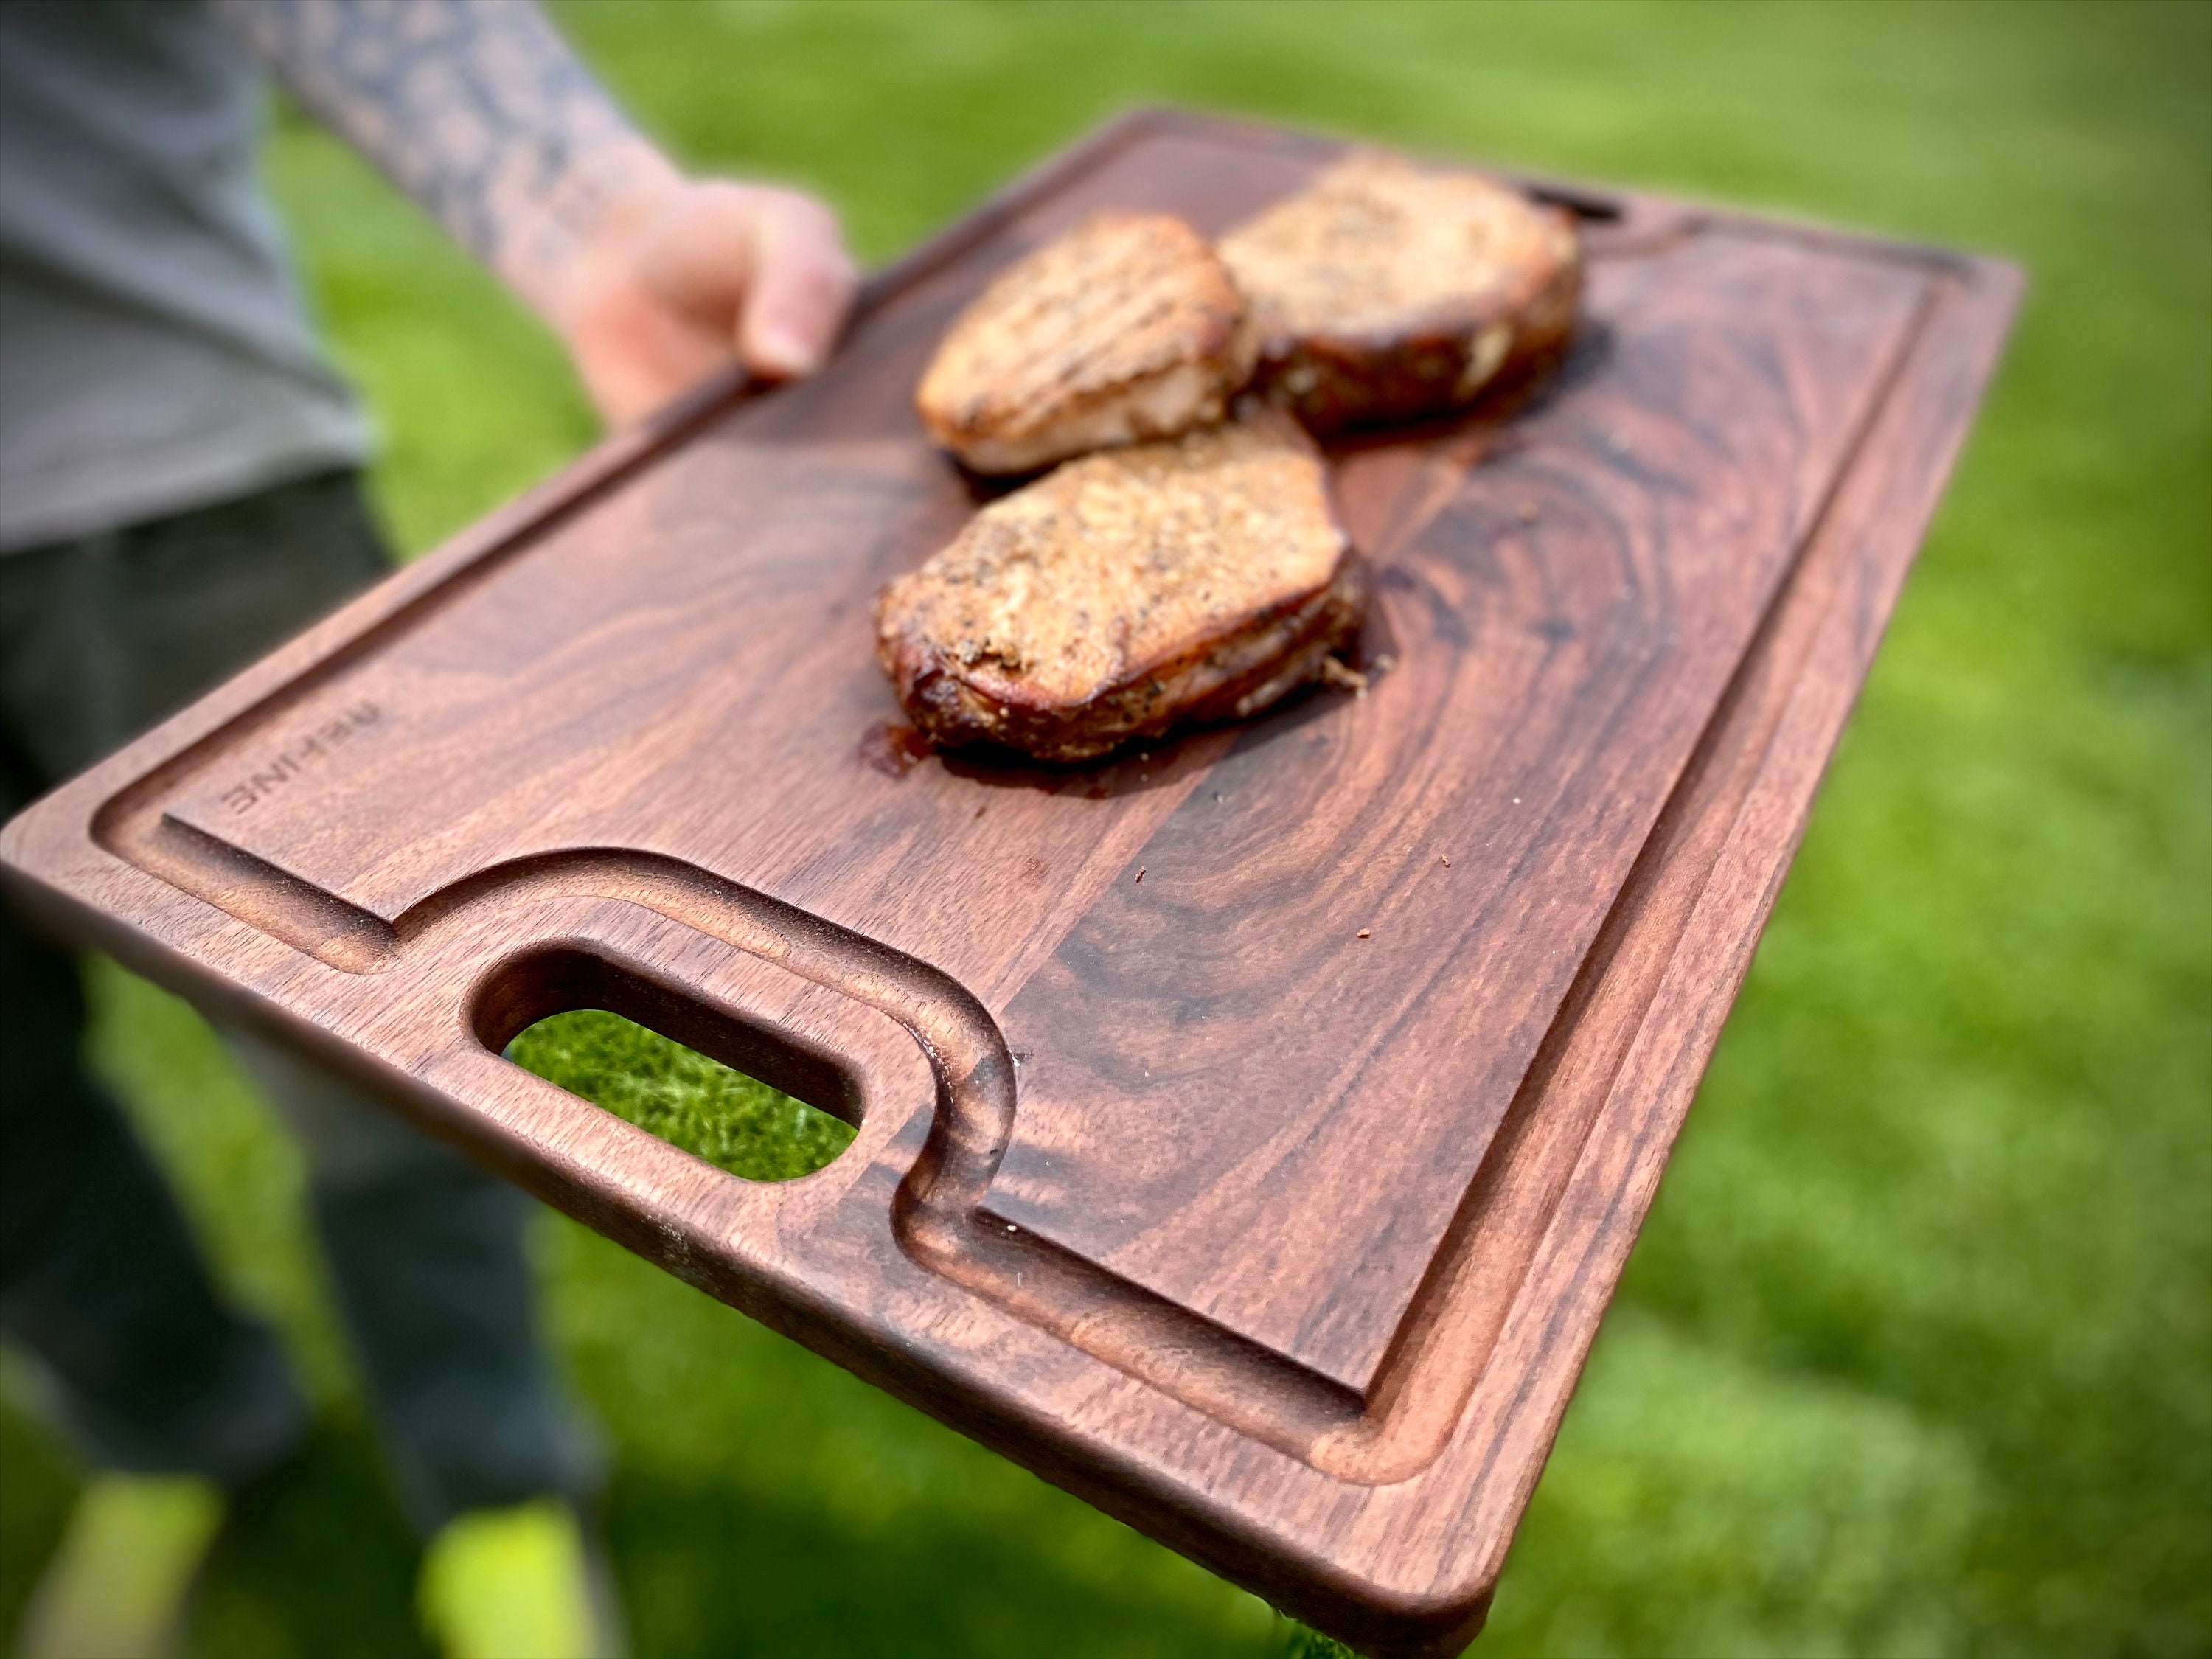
<point x="1283" y="1243"/>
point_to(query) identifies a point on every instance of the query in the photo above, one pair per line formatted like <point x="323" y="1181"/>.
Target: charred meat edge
<point x="1253" y="662"/>
<point x="1333" y="381"/>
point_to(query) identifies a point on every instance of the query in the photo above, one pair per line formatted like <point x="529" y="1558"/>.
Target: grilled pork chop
<point x="1124" y="592"/>
<point x="1125" y="329"/>
<point x="1384" y="293"/>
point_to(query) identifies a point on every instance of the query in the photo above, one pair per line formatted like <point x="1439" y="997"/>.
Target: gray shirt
<point x="155" y="354"/>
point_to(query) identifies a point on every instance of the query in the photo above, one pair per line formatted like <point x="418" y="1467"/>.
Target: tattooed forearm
<point x="476" y="108"/>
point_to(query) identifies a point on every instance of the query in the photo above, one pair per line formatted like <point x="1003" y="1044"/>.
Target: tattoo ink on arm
<point x="478" y="111"/>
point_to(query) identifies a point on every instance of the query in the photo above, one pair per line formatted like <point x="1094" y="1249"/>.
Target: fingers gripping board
<point x="1270" y="1201"/>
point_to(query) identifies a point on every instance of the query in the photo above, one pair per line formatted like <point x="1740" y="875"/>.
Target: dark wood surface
<point x="1270" y="1201"/>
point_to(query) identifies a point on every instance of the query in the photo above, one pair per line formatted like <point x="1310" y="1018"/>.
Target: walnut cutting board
<point x="1270" y="1201"/>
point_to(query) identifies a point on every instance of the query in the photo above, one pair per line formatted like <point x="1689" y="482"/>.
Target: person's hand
<point x="694" y="276"/>
<point x="484" y="117"/>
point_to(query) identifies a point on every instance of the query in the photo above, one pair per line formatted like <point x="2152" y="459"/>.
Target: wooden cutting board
<point x="1252" y="1129"/>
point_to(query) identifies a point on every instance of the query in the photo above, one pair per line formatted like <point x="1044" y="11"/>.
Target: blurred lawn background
<point x="1916" y="1354"/>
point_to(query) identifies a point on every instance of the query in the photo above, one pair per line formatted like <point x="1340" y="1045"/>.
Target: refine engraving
<point x="318" y="745"/>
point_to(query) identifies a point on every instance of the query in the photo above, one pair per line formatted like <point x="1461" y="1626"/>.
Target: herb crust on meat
<point x="1129" y="328"/>
<point x="1127" y="592"/>
<point x="1383" y="292"/>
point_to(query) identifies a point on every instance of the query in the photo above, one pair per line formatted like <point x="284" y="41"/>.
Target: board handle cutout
<point x="566" y="978"/>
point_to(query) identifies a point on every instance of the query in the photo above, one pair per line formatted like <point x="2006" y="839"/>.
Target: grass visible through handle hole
<point x="734" y="1121"/>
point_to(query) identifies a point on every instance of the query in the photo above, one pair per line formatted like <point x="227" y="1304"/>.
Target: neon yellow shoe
<point x="517" y="1584"/>
<point x="119" y="1584"/>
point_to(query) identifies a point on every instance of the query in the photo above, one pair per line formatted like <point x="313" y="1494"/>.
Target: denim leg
<point x="100" y="1282"/>
<point x="98" y="639"/>
<point x="427" y="1254"/>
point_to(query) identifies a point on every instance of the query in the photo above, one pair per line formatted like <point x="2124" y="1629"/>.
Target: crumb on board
<point x="1140" y="873"/>
<point x="1366" y="933"/>
<point x="1335" y="673"/>
<point x="1445" y="861"/>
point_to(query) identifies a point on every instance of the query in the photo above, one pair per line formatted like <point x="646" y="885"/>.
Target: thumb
<point x="801" y="285"/>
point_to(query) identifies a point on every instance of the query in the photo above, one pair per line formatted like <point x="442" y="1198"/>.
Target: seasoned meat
<point x="1125" y="329"/>
<point x="1384" y="293"/>
<point x="1124" y="592"/>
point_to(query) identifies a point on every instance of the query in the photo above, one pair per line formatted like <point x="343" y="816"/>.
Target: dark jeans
<point x="99" y="1278"/>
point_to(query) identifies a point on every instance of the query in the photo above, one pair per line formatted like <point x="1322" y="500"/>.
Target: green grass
<point x="1916" y="1354"/>
<point x="734" y="1122"/>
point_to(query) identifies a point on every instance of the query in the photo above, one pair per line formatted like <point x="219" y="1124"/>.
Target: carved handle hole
<point x="748" y="1100"/>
